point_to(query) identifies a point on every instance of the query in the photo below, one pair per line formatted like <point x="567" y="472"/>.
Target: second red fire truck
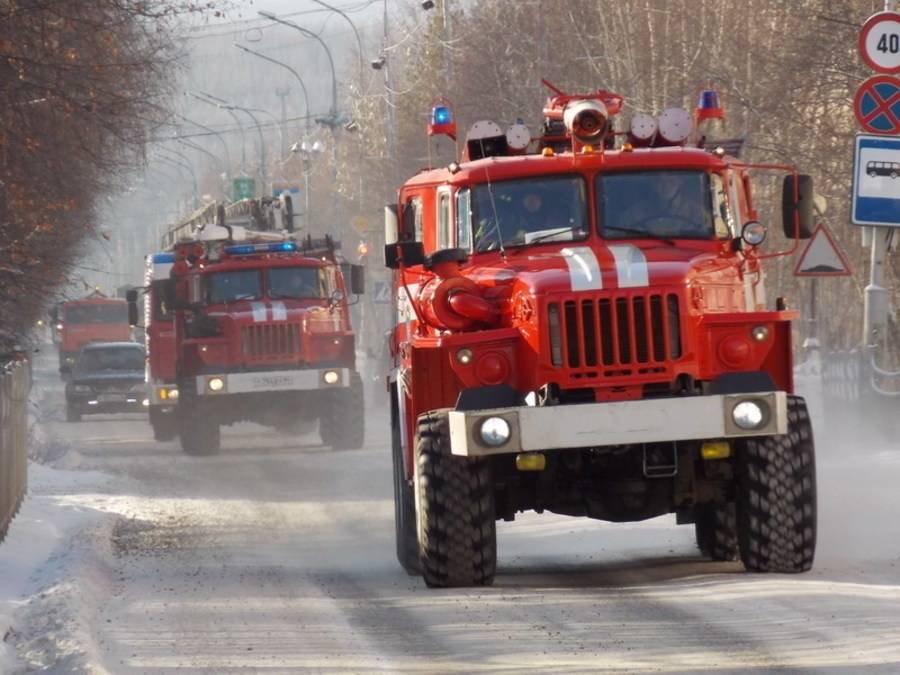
<point x="248" y="322"/>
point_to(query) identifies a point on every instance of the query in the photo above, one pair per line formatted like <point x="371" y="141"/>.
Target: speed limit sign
<point x="879" y="42"/>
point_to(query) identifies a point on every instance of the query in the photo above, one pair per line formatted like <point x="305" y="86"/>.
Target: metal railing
<point x="15" y="385"/>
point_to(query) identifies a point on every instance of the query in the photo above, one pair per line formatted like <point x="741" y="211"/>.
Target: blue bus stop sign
<point x="876" y="181"/>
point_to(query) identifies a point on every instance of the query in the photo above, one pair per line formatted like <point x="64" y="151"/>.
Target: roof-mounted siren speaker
<point x="587" y="121"/>
<point x="675" y="126"/>
<point x="518" y="138"/>
<point x="643" y="129"/>
<point x="485" y="139"/>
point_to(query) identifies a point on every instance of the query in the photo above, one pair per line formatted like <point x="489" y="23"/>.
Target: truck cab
<point x="94" y="318"/>
<point x="583" y="328"/>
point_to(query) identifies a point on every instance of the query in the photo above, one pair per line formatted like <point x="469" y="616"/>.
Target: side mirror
<point x="54" y="314"/>
<point x="131" y="295"/>
<point x="132" y="309"/>
<point x="800" y="207"/>
<point x="391" y="224"/>
<point x="357" y="279"/>
<point x="408" y="252"/>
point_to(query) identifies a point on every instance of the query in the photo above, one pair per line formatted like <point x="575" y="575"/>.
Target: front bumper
<point x="618" y="423"/>
<point x="273" y="381"/>
<point x="88" y="404"/>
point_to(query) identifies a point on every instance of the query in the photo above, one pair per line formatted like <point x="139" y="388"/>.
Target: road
<point x="277" y="556"/>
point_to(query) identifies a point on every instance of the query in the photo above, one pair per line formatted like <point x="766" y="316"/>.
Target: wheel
<point x="198" y="431"/>
<point x="776" y="501"/>
<point x="404" y="504"/>
<point x="716" y="531"/>
<point x="893" y="174"/>
<point x="72" y="415"/>
<point x="343" y="422"/>
<point x="872" y="174"/>
<point x="164" y="425"/>
<point x="455" y="510"/>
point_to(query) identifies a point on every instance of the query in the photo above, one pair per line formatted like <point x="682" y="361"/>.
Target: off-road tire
<point x="716" y="529"/>
<point x="404" y="505"/>
<point x="164" y="425"/>
<point x="72" y="415"/>
<point x="343" y="422"/>
<point x="199" y="434"/>
<point x="455" y="510"/>
<point x="776" y="500"/>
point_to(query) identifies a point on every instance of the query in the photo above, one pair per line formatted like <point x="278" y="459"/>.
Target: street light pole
<point x="217" y="135"/>
<point x="359" y="45"/>
<point x="292" y="71"/>
<point x="225" y="105"/>
<point x="315" y="36"/>
<point x="237" y="120"/>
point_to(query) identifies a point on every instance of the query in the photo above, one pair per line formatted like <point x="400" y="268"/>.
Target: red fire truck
<point x="582" y="327"/>
<point x="251" y="324"/>
<point x="94" y="318"/>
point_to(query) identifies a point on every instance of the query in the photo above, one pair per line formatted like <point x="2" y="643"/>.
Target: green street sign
<point x="243" y="188"/>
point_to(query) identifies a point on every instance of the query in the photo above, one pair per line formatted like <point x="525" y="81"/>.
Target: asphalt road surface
<point x="278" y="556"/>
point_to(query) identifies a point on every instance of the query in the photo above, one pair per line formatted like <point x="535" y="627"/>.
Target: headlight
<point x="81" y="388"/>
<point x="216" y="384"/>
<point x="172" y="394"/>
<point x="70" y="359"/>
<point x="331" y="377"/>
<point x="494" y="431"/>
<point x="749" y="414"/>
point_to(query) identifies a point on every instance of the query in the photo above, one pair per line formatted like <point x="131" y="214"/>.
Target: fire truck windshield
<point x="519" y="212"/>
<point x="297" y="282"/>
<point x="225" y="287"/>
<point x="105" y="313"/>
<point x="655" y="204"/>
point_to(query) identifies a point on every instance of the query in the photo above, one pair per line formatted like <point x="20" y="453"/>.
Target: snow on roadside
<point x="38" y="549"/>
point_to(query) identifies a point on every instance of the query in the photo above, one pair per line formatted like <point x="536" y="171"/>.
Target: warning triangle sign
<point x="822" y="257"/>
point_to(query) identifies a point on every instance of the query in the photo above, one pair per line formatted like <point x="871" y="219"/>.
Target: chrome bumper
<point x="618" y="423"/>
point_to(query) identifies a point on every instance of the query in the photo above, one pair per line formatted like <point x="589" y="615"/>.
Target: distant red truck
<point x="95" y="318"/>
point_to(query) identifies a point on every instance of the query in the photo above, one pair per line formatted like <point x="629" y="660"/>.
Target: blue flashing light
<point x="441" y="114"/>
<point x="709" y="99"/>
<point x="250" y="249"/>
<point x="163" y="258"/>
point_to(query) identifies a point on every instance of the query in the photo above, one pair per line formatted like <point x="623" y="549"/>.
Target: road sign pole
<point x="877" y="298"/>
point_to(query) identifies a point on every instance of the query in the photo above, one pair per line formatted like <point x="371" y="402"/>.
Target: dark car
<point x="108" y="377"/>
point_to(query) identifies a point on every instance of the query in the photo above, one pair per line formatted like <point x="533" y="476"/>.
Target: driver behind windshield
<point x="658" y="203"/>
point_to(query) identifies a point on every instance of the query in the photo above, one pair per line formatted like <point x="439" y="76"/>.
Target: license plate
<point x="111" y="398"/>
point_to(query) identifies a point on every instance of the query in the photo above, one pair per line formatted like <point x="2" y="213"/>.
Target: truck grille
<point x="270" y="340"/>
<point x="612" y="332"/>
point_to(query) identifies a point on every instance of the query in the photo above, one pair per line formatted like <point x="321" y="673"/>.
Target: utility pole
<point x="282" y="94"/>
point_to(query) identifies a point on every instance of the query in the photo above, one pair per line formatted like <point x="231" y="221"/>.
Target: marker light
<point x="715" y="450"/>
<point x="464" y="356"/>
<point x="216" y="384"/>
<point x="531" y="461"/>
<point x="494" y="431"/>
<point x="249" y="249"/>
<point x="760" y="333"/>
<point x="163" y="258"/>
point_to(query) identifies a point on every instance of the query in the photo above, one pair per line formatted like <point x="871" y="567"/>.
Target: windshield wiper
<point x="517" y="248"/>
<point x="643" y="234"/>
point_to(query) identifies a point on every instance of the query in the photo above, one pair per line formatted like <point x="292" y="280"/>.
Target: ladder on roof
<point x="269" y="218"/>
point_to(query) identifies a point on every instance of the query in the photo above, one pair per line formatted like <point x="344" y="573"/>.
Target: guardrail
<point x="15" y="385"/>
